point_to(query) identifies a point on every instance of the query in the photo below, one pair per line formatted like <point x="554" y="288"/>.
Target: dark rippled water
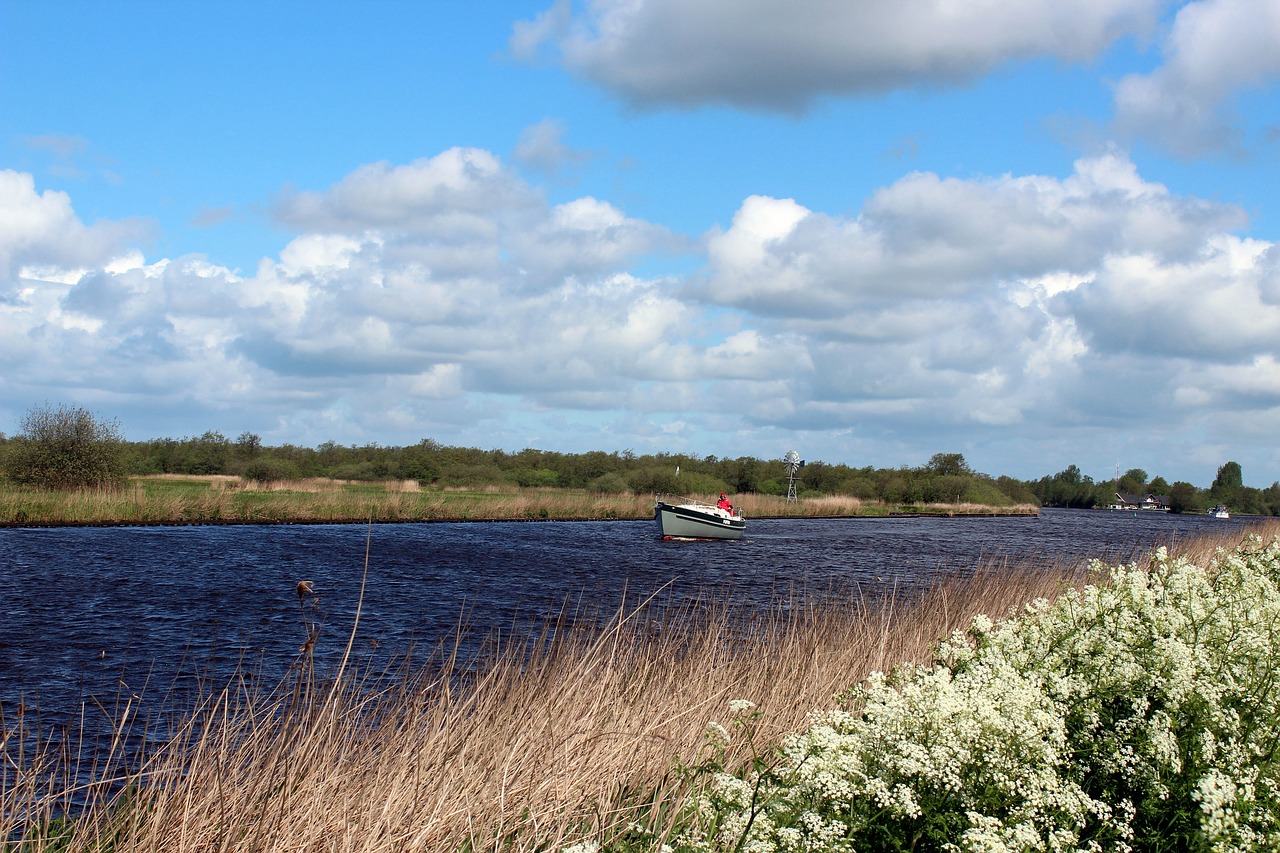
<point x="90" y="614"/>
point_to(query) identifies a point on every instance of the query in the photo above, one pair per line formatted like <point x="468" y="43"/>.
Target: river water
<point x="88" y="615"/>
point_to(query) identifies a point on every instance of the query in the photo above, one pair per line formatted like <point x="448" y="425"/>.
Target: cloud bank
<point x="447" y="298"/>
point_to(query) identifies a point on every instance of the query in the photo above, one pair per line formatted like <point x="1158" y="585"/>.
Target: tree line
<point x="1071" y="488"/>
<point x="63" y="447"/>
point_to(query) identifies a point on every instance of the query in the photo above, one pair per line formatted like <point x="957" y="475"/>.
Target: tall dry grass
<point x="847" y="506"/>
<point x="225" y="500"/>
<point x="217" y="499"/>
<point x="568" y="735"/>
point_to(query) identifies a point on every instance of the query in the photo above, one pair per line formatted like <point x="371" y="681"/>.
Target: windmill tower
<point x="793" y="463"/>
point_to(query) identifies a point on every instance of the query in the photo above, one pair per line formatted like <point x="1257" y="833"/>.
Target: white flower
<point x="717" y="735"/>
<point x="1158" y="681"/>
<point x="582" y="847"/>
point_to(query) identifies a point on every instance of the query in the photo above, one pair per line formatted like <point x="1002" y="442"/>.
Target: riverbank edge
<point x="212" y="500"/>
<point x="993" y="512"/>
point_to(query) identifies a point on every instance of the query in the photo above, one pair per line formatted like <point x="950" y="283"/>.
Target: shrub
<point x="67" y="447"/>
<point x="774" y="487"/>
<point x="986" y="492"/>
<point x="535" y="477"/>
<point x="654" y="479"/>
<point x="366" y="471"/>
<point x="473" y="476"/>
<point x="1135" y="715"/>
<point x="859" y="487"/>
<point x="608" y="484"/>
<point x="265" y="469"/>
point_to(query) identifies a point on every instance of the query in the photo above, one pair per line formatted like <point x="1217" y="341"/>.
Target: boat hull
<point x="696" y="521"/>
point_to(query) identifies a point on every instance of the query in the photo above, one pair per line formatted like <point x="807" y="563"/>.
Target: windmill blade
<point x="792" y="463"/>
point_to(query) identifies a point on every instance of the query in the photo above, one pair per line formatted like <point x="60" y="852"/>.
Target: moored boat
<point x="695" y="520"/>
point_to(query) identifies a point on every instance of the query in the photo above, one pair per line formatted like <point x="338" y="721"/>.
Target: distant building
<point x="1155" y="503"/>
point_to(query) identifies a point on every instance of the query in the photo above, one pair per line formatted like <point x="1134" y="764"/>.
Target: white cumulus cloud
<point x="41" y="233"/>
<point x="1215" y="49"/>
<point x="998" y="311"/>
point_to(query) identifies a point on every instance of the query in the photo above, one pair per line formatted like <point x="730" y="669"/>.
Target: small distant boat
<point x="694" y="520"/>
<point x="1220" y="511"/>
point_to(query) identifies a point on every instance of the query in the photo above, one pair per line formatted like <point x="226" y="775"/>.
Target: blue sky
<point x="1035" y="233"/>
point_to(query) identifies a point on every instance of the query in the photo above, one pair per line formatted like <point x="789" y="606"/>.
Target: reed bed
<point x="577" y="733"/>
<point x="229" y="500"/>
<point x="847" y="506"/>
<point x="219" y="500"/>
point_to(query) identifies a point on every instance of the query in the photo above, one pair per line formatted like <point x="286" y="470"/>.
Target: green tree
<point x="1228" y="487"/>
<point x="267" y="470"/>
<point x="744" y="474"/>
<point x="948" y="465"/>
<point x="208" y="454"/>
<point x="1016" y="491"/>
<point x="1136" y="475"/>
<point x="1070" y="475"/>
<point x="1069" y="487"/>
<point x="1134" y="482"/>
<point x="1183" y="497"/>
<point x="67" y="447"/>
<point x="1230" y="477"/>
<point x="1271" y="499"/>
<point x="248" y="445"/>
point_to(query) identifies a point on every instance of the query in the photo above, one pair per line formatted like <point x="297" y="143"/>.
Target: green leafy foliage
<point x="64" y="447"/>
<point x="1070" y="488"/>
<point x="268" y="470"/>
<point x="944" y="478"/>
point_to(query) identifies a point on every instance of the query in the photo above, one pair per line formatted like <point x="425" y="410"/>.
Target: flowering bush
<point x="1138" y="714"/>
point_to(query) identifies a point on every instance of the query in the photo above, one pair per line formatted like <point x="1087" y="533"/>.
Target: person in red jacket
<point x="723" y="503"/>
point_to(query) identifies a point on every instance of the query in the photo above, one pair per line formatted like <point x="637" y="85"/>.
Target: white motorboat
<point x="1220" y="511"/>
<point x="694" y="520"/>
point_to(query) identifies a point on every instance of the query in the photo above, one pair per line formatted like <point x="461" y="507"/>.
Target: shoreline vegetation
<point x="167" y="499"/>
<point x="599" y="735"/>
<point x="69" y="448"/>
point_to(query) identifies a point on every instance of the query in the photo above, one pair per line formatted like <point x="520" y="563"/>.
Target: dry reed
<point x="572" y="734"/>
<point x="216" y="499"/>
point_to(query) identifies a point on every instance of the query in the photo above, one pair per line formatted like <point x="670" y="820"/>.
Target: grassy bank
<point x="223" y="499"/>
<point x="581" y="734"/>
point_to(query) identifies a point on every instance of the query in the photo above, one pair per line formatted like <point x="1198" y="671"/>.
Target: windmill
<point x="793" y="464"/>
